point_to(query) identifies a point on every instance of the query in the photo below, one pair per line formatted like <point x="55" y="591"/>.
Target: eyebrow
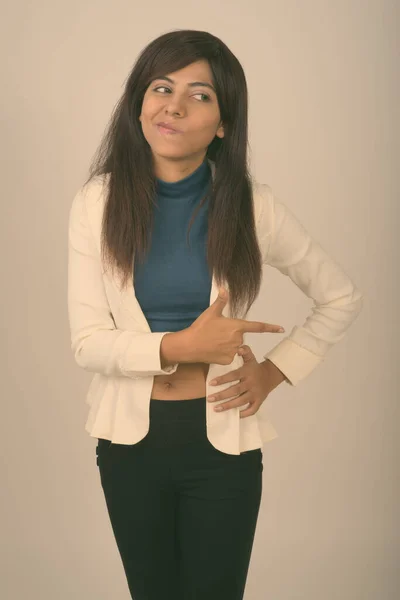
<point x="192" y="84"/>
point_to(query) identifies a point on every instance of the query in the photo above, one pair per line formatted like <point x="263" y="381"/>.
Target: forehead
<point x="197" y="71"/>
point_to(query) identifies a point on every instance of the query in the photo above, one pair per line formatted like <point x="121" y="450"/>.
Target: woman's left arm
<point x="289" y="248"/>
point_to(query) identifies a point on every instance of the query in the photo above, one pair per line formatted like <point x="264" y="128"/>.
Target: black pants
<point x="183" y="513"/>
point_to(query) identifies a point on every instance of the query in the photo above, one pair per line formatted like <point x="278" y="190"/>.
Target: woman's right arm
<point x="96" y="343"/>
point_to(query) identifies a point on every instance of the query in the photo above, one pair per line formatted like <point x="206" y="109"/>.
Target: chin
<point x="168" y="153"/>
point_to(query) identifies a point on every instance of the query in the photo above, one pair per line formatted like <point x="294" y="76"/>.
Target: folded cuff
<point x="295" y="362"/>
<point x="142" y="358"/>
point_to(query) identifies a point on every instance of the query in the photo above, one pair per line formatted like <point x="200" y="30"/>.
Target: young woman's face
<point x="193" y="109"/>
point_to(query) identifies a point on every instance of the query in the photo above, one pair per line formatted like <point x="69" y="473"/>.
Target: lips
<point x="166" y="128"/>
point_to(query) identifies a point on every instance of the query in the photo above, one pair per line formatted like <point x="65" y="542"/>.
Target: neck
<point x="171" y="171"/>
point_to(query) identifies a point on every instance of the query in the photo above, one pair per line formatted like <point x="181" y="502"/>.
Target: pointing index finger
<point x="260" y="327"/>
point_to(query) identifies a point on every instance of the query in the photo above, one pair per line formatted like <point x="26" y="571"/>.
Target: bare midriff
<point x="188" y="382"/>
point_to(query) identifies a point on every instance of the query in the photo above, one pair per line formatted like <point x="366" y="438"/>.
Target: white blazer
<point x="111" y="337"/>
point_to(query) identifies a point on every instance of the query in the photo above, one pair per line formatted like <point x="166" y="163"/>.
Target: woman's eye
<point x="205" y="95"/>
<point x="160" y="88"/>
<point x="163" y="87"/>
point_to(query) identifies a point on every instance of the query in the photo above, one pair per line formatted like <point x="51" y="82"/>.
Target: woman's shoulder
<point x="93" y="191"/>
<point x="96" y="185"/>
<point x="263" y="201"/>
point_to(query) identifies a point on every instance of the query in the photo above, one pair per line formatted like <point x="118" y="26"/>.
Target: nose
<point x="175" y="106"/>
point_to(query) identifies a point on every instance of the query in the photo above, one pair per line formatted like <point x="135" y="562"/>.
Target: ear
<point x="220" y="131"/>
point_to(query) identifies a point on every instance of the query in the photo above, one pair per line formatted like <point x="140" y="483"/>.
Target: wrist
<point x="181" y="346"/>
<point x="275" y="375"/>
<point x="173" y="349"/>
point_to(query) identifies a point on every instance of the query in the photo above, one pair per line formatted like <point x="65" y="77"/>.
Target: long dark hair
<point x="124" y="157"/>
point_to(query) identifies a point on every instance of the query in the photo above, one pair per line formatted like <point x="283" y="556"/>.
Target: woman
<point x="183" y="480"/>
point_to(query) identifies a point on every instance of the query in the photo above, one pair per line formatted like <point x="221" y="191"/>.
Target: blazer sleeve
<point x="336" y="300"/>
<point x="96" y="343"/>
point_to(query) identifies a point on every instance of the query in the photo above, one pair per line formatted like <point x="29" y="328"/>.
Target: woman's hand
<point x="214" y="338"/>
<point x="257" y="380"/>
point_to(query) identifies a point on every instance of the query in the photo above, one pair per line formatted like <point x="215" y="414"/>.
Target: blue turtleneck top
<point x="173" y="285"/>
